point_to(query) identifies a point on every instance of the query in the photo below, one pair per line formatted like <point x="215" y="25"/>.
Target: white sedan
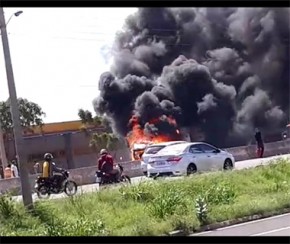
<point x="153" y="149"/>
<point x="188" y="158"/>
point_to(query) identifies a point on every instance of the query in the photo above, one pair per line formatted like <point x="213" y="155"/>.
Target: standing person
<point x="106" y="164"/>
<point x="36" y="167"/>
<point x="14" y="169"/>
<point x="1" y="172"/>
<point x="260" y="143"/>
<point x="8" y="172"/>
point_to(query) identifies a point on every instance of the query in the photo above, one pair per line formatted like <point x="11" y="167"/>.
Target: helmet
<point x="103" y="151"/>
<point x="48" y="156"/>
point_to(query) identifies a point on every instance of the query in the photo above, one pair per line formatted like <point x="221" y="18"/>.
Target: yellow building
<point x="57" y="127"/>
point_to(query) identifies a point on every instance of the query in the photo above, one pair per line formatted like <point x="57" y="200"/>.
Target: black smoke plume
<point x="222" y="70"/>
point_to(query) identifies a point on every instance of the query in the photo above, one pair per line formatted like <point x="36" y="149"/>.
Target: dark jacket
<point x="259" y="140"/>
<point x="106" y="163"/>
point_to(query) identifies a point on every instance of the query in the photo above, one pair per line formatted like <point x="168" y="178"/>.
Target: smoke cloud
<point x="222" y="70"/>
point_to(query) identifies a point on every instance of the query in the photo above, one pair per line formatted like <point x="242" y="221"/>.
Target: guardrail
<point x="86" y="175"/>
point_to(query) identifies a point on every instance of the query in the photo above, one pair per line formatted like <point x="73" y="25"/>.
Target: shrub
<point x="141" y="192"/>
<point x="7" y="207"/>
<point x="223" y="193"/>
<point x="166" y="203"/>
<point x="201" y="209"/>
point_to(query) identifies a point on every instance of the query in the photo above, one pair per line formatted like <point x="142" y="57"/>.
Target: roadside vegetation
<point x="155" y="207"/>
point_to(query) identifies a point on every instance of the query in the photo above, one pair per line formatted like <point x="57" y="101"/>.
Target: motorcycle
<point x="104" y="179"/>
<point x="45" y="187"/>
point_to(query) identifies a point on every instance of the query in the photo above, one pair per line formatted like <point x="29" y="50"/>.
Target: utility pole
<point x="17" y="129"/>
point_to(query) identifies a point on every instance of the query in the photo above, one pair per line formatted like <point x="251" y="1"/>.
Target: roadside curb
<point x="230" y="222"/>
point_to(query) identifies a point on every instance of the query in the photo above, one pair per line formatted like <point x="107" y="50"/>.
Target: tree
<point x="98" y="140"/>
<point x="30" y="115"/>
<point x="88" y="119"/>
<point x="104" y="140"/>
<point x="85" y="116"/>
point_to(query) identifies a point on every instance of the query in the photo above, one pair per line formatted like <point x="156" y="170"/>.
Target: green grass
<point x="154" y="207"/>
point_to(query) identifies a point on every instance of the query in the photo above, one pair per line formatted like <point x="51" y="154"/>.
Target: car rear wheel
<point x="228" y="165"/>
<point x="191" y="169"/>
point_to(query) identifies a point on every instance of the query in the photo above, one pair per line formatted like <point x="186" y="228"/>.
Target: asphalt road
<point x="274" y="226"/>
<point x="94" y="187"/>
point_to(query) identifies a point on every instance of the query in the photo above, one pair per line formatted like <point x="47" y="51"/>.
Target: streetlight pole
<point x="17" y="129"/>
<point x="2" y="145"/>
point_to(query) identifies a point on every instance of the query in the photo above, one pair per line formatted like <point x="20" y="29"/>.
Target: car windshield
<point x="153" y="149"/>
<point x="174" y="149"/>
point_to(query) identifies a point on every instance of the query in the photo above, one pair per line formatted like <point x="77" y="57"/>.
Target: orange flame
<point x="138" y="136"/>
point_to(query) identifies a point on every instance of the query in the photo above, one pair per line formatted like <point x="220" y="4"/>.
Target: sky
<point x="58" y="55"/>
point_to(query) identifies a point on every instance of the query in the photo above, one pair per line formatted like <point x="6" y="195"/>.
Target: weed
<point x="140" y="192"/>
<point x="166" y="203"/>
<point x="223" y="193"/>
<point x="7" y="207"/>
<point x="201" y="209"/>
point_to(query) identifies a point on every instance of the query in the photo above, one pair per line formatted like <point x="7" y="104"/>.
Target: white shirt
<point x="15" y="170"/>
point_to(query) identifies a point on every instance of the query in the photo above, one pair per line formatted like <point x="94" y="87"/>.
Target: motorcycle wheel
<point x="43" y="192"/>
<point x="125" y="179"/>
<point x="70" y="188"/>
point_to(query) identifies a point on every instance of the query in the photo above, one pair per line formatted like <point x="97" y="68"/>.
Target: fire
<point x="137" y="139"/>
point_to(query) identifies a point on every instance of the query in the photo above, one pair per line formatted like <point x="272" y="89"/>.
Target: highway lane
<point x="274" y="226"/>
<point x="238" y="166"/>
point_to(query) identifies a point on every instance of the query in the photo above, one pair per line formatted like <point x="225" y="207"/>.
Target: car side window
<point x="207" y="148"/>
<point x="195" y="149"/>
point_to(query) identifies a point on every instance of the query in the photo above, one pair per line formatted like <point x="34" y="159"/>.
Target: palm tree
<point x="104" y="140"/>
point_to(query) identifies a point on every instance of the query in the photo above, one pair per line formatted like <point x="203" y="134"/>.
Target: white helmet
<point x="103" y="151"/>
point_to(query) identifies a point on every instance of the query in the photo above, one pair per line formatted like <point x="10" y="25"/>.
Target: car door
<point x="198" y="157"/>
<point x="214" y="158"/>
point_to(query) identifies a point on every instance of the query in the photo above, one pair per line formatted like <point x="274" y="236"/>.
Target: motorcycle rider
<point x="48" y="170"/>
<point x="106" y="165"/>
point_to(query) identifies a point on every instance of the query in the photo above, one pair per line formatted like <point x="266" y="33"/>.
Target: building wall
<point x="82" y="154"/>
<point x="57" y="127"/>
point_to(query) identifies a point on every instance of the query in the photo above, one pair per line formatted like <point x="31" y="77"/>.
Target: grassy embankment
<point x="155" y="207"/>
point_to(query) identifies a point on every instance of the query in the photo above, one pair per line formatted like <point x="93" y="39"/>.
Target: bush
<point x="223" y="193"/>
<point x="166" y="203"/>
<point x="56" y="226"/>
<point x="7" y="207"/>
<point x="141" y="192"/>
<point x="201" y="209"/>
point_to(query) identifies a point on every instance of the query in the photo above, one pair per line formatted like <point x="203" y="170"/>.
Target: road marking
<point x="254" y="221"/>
<point x="242" y="224"/>
<point x="271" y="231"/>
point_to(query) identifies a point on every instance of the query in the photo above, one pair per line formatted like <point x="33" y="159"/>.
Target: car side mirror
<point x="217" y="151"/>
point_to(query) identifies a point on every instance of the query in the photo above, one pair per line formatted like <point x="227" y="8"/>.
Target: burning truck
<point x="141" y="136"/>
